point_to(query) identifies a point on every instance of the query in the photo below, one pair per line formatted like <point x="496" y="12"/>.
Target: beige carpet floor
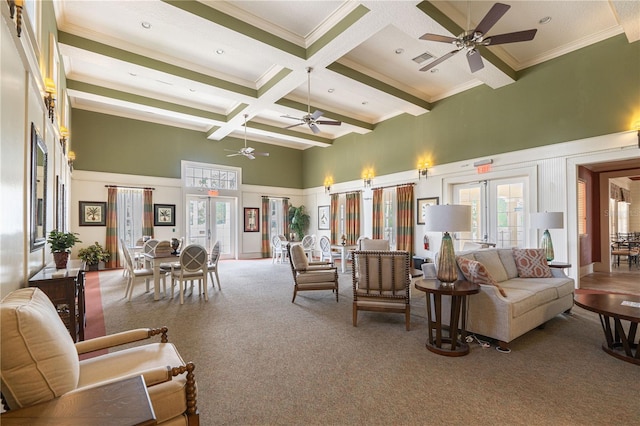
<point x="261" y="360"/>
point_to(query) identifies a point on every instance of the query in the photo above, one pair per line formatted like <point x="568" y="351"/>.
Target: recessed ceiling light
<point x="219" y="51"/>
<point x="364" y="102"/>
<point x="192" y="90"/>
<point x="545" y="20"/>
<point x="434" y="70"/>
<point x="146" y="25"/>
<point x="133" y="74"/>
<point x="399" y="51"/>
<point x="331" y="90"/>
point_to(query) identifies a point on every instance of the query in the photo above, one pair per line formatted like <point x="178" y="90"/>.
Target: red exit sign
<point x="485" y="168"/>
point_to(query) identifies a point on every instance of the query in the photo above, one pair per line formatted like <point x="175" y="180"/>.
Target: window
<point x="208" y="177"/>
<point x="582" y="207"/>
<point x="389" y="215"/>
<point x="129" y="209"/>
<point x="276" y="217"/>
<point x="623" y="217"/>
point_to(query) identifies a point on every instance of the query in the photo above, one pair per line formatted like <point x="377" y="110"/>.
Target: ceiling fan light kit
<point x="309" y="119"/>
<point x="247" y="151"/>
<point x="470" y="40"/>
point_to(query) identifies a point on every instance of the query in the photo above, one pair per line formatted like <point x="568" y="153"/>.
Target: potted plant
<point x="299" y="220"/>
<point x="61" y="243"/>
<point x="93" y="255"/>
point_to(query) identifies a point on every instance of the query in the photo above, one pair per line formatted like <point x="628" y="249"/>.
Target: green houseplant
<point x="299" y="220"/>
<point x="61" y="243"/>
<point x="93" y="255"/>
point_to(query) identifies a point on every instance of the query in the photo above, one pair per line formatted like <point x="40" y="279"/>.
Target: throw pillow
<point x="475" y="272"/>
<point x="531" y="263"/>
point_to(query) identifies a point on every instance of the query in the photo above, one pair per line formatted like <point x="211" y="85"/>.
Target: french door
<point x="211" y="219"/>
<point x="497" y="211"/>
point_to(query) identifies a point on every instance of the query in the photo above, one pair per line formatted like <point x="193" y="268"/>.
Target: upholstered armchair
<point x="371" y="244"/>
<point x="40" y="362"/>
<point x="381" y="283"/>
<point x="311" y="275"/>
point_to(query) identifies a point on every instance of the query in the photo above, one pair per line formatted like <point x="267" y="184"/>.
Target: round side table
<point x="454" y="344"/>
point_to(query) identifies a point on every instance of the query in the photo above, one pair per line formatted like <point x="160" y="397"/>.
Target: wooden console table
<point x="65" y="288"/>
<point x="125" y="402"/>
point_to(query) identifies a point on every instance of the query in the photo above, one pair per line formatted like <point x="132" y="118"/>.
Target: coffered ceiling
<point x="204" y="65"/>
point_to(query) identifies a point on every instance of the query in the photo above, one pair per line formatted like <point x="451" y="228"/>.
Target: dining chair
<point x="325" y="250"/>
<point x="278" y="248"/>
<point x="307" y="246"/>
<point x="213" y="263"/>
<point x="135" y="274"/>
<point x="193" y="266"/>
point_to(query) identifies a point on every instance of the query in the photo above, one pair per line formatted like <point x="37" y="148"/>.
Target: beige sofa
<point x="525" y="303"/>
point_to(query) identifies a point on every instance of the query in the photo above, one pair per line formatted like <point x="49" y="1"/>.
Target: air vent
<point x="424" y="57"/>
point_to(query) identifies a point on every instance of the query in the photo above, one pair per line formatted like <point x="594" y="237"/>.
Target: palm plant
<point x="299" y="220"/>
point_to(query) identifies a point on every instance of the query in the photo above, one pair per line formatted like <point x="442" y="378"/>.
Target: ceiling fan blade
<point x="262" y="154"/>
<point x="288" y="116"/>
<point x="510" y="37"/>
<point x="329" y="122"/>
<point x="294" y="125"/>
<point x="495" y="13"/>
<point x="249" y="150"/>
<point x="231" y="150"/>
<point x="316" y="114"/>
<point x="436" y="37"/>
<point x="314" y="128"/>
<point x="233" y="155"/>
<point x="250" y="157"/>
<point x="475" y="60"/>
<point x="439" y="60"/>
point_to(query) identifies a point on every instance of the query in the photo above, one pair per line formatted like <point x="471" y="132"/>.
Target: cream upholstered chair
<point x="382" y="283"/>
<point x="213" y="263"/>
<point x="325" y="250"/>
<point x="39" y="360"/>
<point x="371" y="244"/>
<point x="192" y="266"/>
<point x="311" y="275"/>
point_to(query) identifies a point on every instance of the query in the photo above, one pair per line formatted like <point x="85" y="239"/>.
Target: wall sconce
<point x="15" y="8"/>
<point x="64" y="134"/>
<point x="327" y="185"/>
<point x="423" y="169"/>
<point x="367" y="177"/>
<point x="71" y="157"/>
<point x="638" y="129"/>
<point x="50" y="99"/>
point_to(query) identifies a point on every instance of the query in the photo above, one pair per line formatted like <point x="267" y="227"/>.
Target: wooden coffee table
<point x="613" y="309"/>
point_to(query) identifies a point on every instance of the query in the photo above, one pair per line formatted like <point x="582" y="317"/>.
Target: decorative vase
<point x="61" y="258"/>
<point x="447" y="271"/>
<point x="175" y="243"/>
<point x="547" y="245"/>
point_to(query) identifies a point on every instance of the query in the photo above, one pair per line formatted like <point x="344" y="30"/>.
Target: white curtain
<point x="129" y="209"/>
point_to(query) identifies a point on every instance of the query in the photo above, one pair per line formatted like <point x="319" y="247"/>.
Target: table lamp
<point x="447" y="218"/>
<point x="546" y="221"/>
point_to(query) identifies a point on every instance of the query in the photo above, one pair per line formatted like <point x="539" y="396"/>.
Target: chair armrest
<point x="323" y="263"/>
<point x="312" y="268"/>
<point x="121" y="338"/>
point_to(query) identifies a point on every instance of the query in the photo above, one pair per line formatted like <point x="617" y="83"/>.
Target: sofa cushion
<point x="531" y="263"/>
<point x="509" y="263"/>
<point x="476" y="273"/>
<point x="36" y="366"/>
<point x="491" y="261"/>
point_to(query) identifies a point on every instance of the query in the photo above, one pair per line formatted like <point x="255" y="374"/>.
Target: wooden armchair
<point x="40" y="362"/>
<point x="381" y="283"/>
<point x="311" y="275"/>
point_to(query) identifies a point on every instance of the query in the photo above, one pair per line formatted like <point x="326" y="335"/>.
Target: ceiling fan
<point x="471" y="39"/>
<point x="247" y="151"/>
<point x="309" y="119"/>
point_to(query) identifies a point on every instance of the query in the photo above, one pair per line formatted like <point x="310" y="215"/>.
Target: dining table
<point x="153" y="261"/>
<point x="345" y="250"/>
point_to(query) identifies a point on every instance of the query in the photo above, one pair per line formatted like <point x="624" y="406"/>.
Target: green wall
<point x="107" y="143"/>
<point x="589" y="92"/>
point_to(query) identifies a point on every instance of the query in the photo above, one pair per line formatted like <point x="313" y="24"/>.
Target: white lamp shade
<point x="547" y="220"/>
<point x="448" y="218"/>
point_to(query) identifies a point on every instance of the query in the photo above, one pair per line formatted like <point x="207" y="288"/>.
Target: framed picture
<point x="251" y="219"/>
<point x="323" y="217"/>
<point x="93" y="213"/>
<point x="164" y="215"/>
<point x="421" y="210"/>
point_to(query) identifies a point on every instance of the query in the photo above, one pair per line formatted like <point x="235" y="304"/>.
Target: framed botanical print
<point x="421" y="209"/>
<point x="323" y="217"/>
<point x="93" y="213"/>
<point x="164" y="215"/>
<point x="251" y="219"/>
